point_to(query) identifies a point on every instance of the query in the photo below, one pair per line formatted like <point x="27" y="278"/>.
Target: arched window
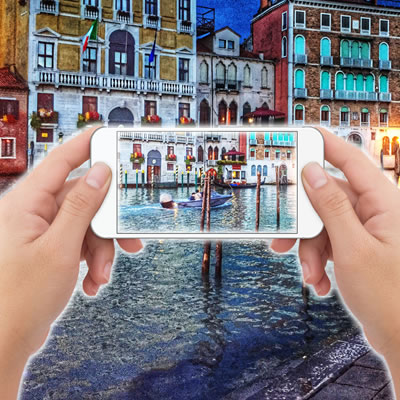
<point x="121" y="54"/>
<point x="232" y="76"/>
<point x="386" y="145"/>
<point x="325" y="80"/>
<point x="364" y="117"/>
<point x="223" y="151"/>
<point x="205" y="111"/>
<point x="253" y="170"/>
<point x="344" y="116"/>
<point x="299" y="79"/>
<point x="360" y="83"/>
<point x="350" y="82"/>
<point x="259" y="169"/>
<point x="265" y="106"/>
<point x="340" y="81"/>
<point x="365" y="51"/>
<point x="210" y="153"/>
<point x="299" y="113"/>
<point x="325" y="47"/>
<point x="203" y="72"/>
<point x="383" y="117"/>
<point x="216" y="151"/>
<point x="355" y="50"/>
<point x="384" y="52"/>
<point x="265" y="170"/>
<point x="383" y="84"/>
<point x="220" y="75"/>
<point x="264" y="78"/>
<point x="325" y="115"/>
<point x="345" y="48"/>
<point x="370" y="83"/>
<point x="300" y="45"/>
<point x="200" y="154"/>
<point x="246" y="75"/>
<point x="284" y="47"/>
<point x="233" y="113"/>
<point x="222" y="108"/>
<point x="395" y="144"/>
<point x="246" y="108"/>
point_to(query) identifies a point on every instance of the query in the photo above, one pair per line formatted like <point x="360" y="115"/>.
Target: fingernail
<point x="306" y="271"/>
<point x="98" y="175"/>
<point x="315" y="175"/>
<point x="107" y="271"/>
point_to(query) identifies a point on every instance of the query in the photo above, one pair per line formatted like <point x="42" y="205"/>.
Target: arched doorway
<point x="355" y="138"/>
<point x="283" y="178"/>
<point x="210" y="153"/>
<point x="200" y="154"/>
<point x="154" y="160"/>
<point x="215" y="153"/>
<point x="120" y="116"/>
<point x="386" y="145"/>
<point x="121" y="54"/>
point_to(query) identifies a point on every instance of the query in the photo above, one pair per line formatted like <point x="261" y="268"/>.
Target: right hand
<point x="361" y="235"/>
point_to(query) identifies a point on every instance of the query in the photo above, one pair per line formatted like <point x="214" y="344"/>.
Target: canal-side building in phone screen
<point x="138" y="67"/>
<point x="337" y="65"/>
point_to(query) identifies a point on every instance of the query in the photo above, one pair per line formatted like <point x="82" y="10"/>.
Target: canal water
<point x="138" y="207"/>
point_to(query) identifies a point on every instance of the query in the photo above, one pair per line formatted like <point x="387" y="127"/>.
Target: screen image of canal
<point x="140" y="211"/>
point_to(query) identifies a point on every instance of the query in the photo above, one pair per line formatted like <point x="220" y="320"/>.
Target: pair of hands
<point x="46" y="233"/>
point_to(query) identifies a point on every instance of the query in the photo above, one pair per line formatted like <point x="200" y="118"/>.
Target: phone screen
<point x="162" y="178"/>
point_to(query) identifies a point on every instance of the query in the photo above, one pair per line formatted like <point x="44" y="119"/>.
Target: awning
<point x="263" y="112"/>
<point x="234" y="153"/>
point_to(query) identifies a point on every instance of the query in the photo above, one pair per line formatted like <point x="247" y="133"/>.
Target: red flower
<point x="94" y="116"/>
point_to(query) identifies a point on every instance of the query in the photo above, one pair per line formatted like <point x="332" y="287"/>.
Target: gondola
<point x="237" y="186"/>
<point x="216" y="200"/>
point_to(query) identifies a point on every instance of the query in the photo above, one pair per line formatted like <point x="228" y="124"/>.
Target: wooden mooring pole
<point x="278" y="198"/>
<point x="205" y="269"/>
<point x="258" y="201"/>
<point x="218" y="259"/>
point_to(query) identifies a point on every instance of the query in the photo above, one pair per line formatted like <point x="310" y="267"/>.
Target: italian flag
<point x="91" y="35"/>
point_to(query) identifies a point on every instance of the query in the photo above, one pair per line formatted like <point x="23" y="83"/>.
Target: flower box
<point x="137" y="158"/>
<point x="170" y="157"/>
<point x="8" y="119"/>
<point x="190" y="159"/>
<point x="151" y="119"/>
<point x="231" y="162"/>
<point x="186" y="121"/>
<point x="48" y="116"/>
<point x="87" y="117"/>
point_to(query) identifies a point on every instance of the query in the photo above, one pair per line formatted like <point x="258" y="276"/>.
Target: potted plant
<point x="190" y="159"/>
<point x="186" y="121"/>
<point x="87" y="117"/>
<point x="137" y="157"/>
<point x="151" y="119"/>
<point x="9" y="119"/>
<point x="170" y="157"/>
<point x="231" y="162"/>
<point x="36" y="121"/>
<point x="48" y="116"/>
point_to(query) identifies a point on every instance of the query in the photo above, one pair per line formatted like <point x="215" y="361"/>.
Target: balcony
<point x="226" y="85"/>
<point x="113" y="82"/>
<point x="253" y="142"/>
<point x="213" y="138"/>
<point x="356" y="62"/>
<point x="300" y="93"/>
<point x="385" y="65"/>
<point x="91" y="12"/>
<point x="326" y="60"/>
<point x="345" y="95"/>
<point x="326" y="94"/>
<point x="49" y="7"/>
<point x="283" y="143"/>
<point x="267" y="142"/>
<point x="367" y="96"/>
<point x="186" y="27"/>
<point x="300" y="58"/>
<point x="157" y="137"/>
<point x="152" y="21"/>
<point x="385" y="97"/>
<point x="123" y="17"/>
<point x="211" y="163"/>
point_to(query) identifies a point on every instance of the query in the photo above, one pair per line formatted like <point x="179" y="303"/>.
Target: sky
<point x="236" y="14"/>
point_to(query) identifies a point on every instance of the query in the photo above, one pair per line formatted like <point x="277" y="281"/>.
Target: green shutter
<point x="365" y="110"/>
<point x="325" y="80"/>
<point x="369" y="84"/>
<point x="365" y="51"/>
<point x="252" y="136"/>
<point x="383" y="84"/>
<point x="345" y="52"/>
<point x="299" y="79"/>
<point x="299" y="45"/>
<point x="344" y="109"/>
<point x="355" y="50"/>
<point x="384" y="52"/>
<point x="324" y="108"/>
<point x="325" y="47"/>
<point x="360" y="83"/>
<point x="340" y="81"/>
<point x="350" y="82"/>
<point x="266" y="136"/>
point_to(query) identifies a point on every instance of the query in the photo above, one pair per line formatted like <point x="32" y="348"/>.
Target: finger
<point x="313" y="257"/>
<point x="79" y="207"/>
<point x="323" y="287"/>
<point x="51" y="173"/>
<point x="99" y="257"/>
<point x="65" y="190"/>
<point x="130" y="245"/>
<point x="282" y="245"/>
<point x="89" y="286"/>
<point x="333" y="206"/>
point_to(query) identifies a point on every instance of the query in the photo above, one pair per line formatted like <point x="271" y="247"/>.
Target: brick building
<point x="342" y="62"/>
<point x="13" y="121"/>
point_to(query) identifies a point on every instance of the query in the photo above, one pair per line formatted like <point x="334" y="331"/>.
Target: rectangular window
<point x="120" y="63"/>
<point x="284" y="21"/>
<point x="89" y="104"/>
<point x="364" y="118"/>
<point x="46" y="55"/>
<point x="243" y="174"/>
<point x="325" y="22"/>
<point x="170" y="150"/>
<point x="184" y="110"/>
<point x="184" y="10"/>
<point x="122" y="5"/>
<point x="284" y="47"/>
<point x="137" y="148"/>
<point x="345" y="23"/>
<point x="189" y="151"/>
<point x="150" y="108"/>
<point x="325" y="116"/>
<point x="384" y="27"/>
<point x="344" y="117"/>
<point x="222" y="44"/>
<point x="383" y="118"/>
<point x="9" y="107"/>
<point x="266" y="153"/>
<point x="299" y="115"/>
<point x="150" y="68"/>
<point x="252" y="153"/>
<point x="183" y="70"/>
<point x="300" y="19"/>
<point x="150" y="7"/>
<point x="7" y="147"/>
<point x="170" y="167"/>
<point x="365" y="26"/>
<point x="90" y="60"/>
<point x="289" y="155"/>
<point x="93" y="3"/>
<point x="231" y="44"/>
<point x="46" y="101"/>
<point x="44" y="135"/>
<point x="277" y="154"/>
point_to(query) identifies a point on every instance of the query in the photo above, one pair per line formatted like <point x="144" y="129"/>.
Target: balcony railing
<point x="91" y="12"/>
<point x="223" y="84"/>
<point x="326" y="60"/>
<point x="124" y="17"/>
<point x="356" y="62"/>
<point x="283" y="143"/>
<point x="367" y="96"/>
<point x="267" y="142"/>
<point x="48" y="6"/>
<point x="213" y="138"/>
<point x="326" y="94"/>
<point x="186" y="27"/>
<point x="211" y="163"/>
<point x="356" y="95"/>
<point x="300" y="93"/>
<point x="111" y="82"/>
<point x="300" y="58"/>
<point x="157" y="137"/>
<point x="385" y="64"/>
<point x="151" y="21"/>
<point x="385" y="96"/>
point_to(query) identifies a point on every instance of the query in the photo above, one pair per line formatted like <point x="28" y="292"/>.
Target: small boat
<point x="216" y="200"/>
<point x="237" y="185"/>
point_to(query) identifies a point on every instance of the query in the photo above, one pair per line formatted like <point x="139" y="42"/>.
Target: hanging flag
<point x="153" y="50"/>
<point x="91" y="35"/>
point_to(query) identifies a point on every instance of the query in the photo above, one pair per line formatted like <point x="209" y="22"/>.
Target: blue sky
<point x="234" y="13"/>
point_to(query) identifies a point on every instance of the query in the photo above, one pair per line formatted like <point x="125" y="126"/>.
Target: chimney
<point x="264" y="4"/>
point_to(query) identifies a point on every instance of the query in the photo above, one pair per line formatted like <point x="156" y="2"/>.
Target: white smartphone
<point x="159" y="176"/>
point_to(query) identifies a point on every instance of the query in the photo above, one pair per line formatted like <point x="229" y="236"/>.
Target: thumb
<point x="80" y="206"/>
<point x="333" y="206"/>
